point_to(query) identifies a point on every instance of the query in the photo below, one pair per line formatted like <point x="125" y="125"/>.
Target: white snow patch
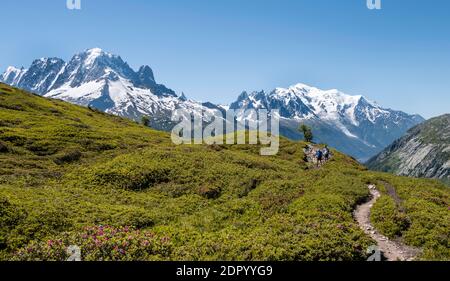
<point x="92" y="89"/>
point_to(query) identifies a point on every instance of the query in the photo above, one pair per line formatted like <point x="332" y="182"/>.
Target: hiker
<point x="319" y="157"/>
<point x="326" y="153"/>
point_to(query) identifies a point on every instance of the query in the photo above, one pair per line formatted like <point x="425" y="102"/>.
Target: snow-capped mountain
<point x="102" y="80"/>
<point x="95" y="78"/>
<point x="353" y="124"/>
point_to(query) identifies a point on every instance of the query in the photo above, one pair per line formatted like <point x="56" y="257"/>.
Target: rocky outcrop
<point x="423" y="152"/>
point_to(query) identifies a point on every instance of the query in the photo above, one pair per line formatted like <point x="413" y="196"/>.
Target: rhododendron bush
<point x="100" y="243"/>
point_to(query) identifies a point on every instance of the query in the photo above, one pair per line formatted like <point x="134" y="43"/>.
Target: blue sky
<point x="214" y="49"/>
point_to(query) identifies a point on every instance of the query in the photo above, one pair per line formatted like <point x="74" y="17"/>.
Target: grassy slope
<point x="65" y="168"/>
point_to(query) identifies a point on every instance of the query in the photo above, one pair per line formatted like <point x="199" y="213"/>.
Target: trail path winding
<point x="392" y="251"/>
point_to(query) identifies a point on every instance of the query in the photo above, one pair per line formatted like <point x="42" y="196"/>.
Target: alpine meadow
<point x="225" y="139"/>
<point x="72" y="175"/>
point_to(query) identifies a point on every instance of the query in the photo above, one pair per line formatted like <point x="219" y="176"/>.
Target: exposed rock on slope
<point x="423" y="152"/>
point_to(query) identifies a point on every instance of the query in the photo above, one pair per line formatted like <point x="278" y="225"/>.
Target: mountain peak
<point x="96" y="52"/>
<point x="47" y="61"/>
<point x="183" y="97"/>
<point x="243" y="95"/>
<point x="90" y="56"/>
<point x="11" y="69"/>
<point x="12" y="75"/>
<point x="353" y="123"/>
<point x="146" y="74"/>
<point x="302" y="86"/>
<point x="53" y="75"/>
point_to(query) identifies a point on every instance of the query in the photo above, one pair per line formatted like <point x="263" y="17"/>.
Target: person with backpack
<point x="326" y="153"/>
<point x="319" y="157"/>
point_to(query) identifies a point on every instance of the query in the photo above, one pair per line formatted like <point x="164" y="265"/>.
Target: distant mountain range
<point x="423" y="152"/>
<point x="102" y="80"/>
<point x="352" y="124"/>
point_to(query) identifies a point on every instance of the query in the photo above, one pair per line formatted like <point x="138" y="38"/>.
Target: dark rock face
<point x="41" y="75"/>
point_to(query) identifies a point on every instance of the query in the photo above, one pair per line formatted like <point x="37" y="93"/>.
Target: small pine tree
<point x="307" y="132"/>
<point x="145" y="120"/>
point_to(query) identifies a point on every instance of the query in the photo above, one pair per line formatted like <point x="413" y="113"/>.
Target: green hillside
<point x="74" y="176"/>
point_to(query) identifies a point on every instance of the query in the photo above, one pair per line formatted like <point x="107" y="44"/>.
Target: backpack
<point x="319" y="154"/>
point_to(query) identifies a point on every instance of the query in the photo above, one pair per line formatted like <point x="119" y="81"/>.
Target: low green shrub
<point x="388" y="219"/>
<point x="42" y="148"/>
<point x="130" y="173"/>
<point x="209" y="192"/>
<point x="68" y="157"/>
<point x="3" y="147"/>
<point x="39" y="224"/>
<point x="10" y="217"/>
<point x="13" y="139"/>
<point x="137" y="218"/>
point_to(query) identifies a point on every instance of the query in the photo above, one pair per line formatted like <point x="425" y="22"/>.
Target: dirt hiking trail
<point x="391" y="250"/>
